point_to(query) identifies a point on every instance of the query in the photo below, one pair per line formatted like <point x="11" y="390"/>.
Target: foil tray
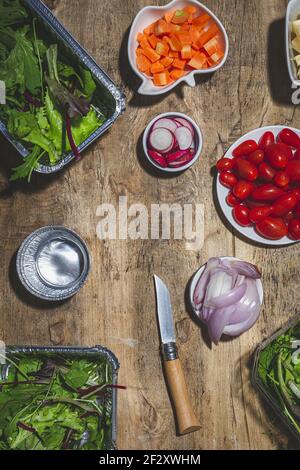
<point x="110" y="98"/>
<point x="258" y="384"/>
<point x="83" y="352"/>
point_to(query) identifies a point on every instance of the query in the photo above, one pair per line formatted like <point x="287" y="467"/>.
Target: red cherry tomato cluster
<point x="264" y="182"/>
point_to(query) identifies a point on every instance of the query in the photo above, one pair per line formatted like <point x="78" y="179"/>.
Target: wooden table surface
<point x="116" y="308"/>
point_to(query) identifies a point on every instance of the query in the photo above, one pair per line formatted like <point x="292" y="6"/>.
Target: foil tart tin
<point x="109" y="98"/>
<point x="53" y="263"/>
<point x="93" y="353"/>
<point x="259" y="385"/>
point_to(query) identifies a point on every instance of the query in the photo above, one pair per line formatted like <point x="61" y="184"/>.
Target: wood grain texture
<point x="116" y="308"/>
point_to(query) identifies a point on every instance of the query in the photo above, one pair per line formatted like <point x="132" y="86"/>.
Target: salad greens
<point x="54" y="402"/>
<point x="48" y="100"/>
<point x="279" y="371"/>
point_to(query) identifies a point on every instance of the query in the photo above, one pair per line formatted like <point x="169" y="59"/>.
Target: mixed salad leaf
<point x="48" y="100"/>
<point x="55" y="403"/>
<point x="279" y="371"/>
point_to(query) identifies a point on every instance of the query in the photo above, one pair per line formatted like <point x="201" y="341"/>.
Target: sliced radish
<point x="161" y="140"/>
<point x="158" y="158"/>
<point x="181" y="161"/>
<point x="166" y="124"/>
<point x="184" y="137"/>
<point x="172" y="157"/>
<point x="186" y="123"/>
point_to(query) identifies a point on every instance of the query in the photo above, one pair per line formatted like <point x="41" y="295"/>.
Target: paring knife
<point x="185" y="416"/>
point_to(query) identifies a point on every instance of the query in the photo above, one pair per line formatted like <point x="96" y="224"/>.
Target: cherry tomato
<point x="282" y="179"/>
<point x="273" y="228"/>
<point x="294" y="229"/>
<point x="253" y="204"/>
<point x="245" y="148"/>
<point x="297" y="154"/>
<point x="266" y="172"/>
<point x="243" y="189"/>
<point x="289" y="216"/>
<point x="256" y="157"/>
<point x="266" y="139"/>
<point x="232" y="200"/>
<point x="259" y="213"/>
<point x="267" y="192"/>
<point x="225" y="164"/>
<point x="297" y="209"/>
<point x="293" y="170"/>
<point x="228" y="179"/>
<point x="284" y="204"/>
<point x="241" y="215"/>
<point x="246" y="170"/>
<point x="277" y="156"/>
<point x="296" y="192"/>
<point x="289" y="137"/>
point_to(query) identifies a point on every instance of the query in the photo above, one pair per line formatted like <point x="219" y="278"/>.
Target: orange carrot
<point x="151" y="54"/>
<point x="179" y="64"/>
<point x="166" y="61"/>
<point x="184" y="38"/>
<point x="157" y="67"/>
<point x="153" y="40"/>
<point x="143" y="63"/>
<point x="176" y="74"/>
<point x="194" y="33"/>
<point x="169" y="15"/>
<point x="144" y="43"/>
<point x="140" y="36"/>
<point x="162" y="27"/>
<point x="150" y="29"/>
<point x="198" y="61"/>
<point x="162" y="48"/>
<point x="217" y="56"/>
<point x="186" y="52"/>
<point x="139" y="51"/>
<point x="212" y="46"/>
<point x="179" y="17"/>
<point x="175" y="28"/>
<point x="174" y="43"/>
<point x="201" y="20"/>
<point x="161" y="79"/>
<point x="174" y="54"/>
<point x="206" y="36"/>
<point x="191" y="10"/>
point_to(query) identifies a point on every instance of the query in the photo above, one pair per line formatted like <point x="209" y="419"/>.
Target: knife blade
<point x="185" y="416"/>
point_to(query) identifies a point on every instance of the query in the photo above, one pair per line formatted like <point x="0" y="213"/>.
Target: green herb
<point x="279" y="371"/>
<point x="54" y="408"/>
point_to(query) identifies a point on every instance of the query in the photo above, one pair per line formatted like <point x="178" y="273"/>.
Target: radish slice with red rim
<point x="184" y="137"/>
<point x="185" y="123"/>
<point x="181" y="161"/>
<point x="172" y="157"/>
<point x="166" y="124"/>
<point x="158" y="158"/>
<point x="161" y="140"/>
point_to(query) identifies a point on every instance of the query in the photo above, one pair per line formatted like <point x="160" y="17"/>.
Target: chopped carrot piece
<point x="140" y="36"/>
<point x="153" y="40"/>
<point x="143" y="63"/>
<point x="207" y="35"/>
<point x="201" y="20"/>
<point x="195" y="34"/>
<point x="151" y="54"/>
<point x="184" y="38"/>
<point x="176" y="74"/>
<point x="174" y="54"/>
<point x="179" y="17"/>
<point x="139" y="51"/>
<point x="165" y="39"/>
<point x="185" y="27"/>
<point x="162" y="27"/>
<point x="166" y="61"/>
<point x="175" y="28"/>
<point x="150" y="29"/>
<point x="144" y="43"/>
<point x="198" y="61"/>
<point x="186" y="52"/>
<point x="190" y="10"/>
<point x="161" y="79"/>
<point x="157" y="67"/>
<point x="217" y="56"/>
<point x="179" y="64"/>
<point x="168" y="16"/>
<point x="162" y="48"/>
<point x="212" y="46"/>
<point x="174" y="43"/>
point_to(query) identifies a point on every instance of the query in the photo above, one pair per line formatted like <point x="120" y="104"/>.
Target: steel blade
<point x="164" y="312"/>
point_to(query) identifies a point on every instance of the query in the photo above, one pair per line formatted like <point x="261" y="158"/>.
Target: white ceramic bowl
<point x="197" y="275"/>
<point x="222" y="192"/>
<point x="198" y="137"/>
<point x="147" y="16"/>
<point x="293" y="11"/>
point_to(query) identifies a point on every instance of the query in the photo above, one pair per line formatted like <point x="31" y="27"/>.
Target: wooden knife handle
<point x="186" y="419"/>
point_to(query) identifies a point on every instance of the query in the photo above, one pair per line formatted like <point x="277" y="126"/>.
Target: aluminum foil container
<point x="108" y="98"/>
<point x="83" y="353"/>
<point x="260" y="386"/>
<point x="53" y="263"/>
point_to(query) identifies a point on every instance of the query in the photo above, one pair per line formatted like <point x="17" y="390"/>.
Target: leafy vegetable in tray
<point x="48" y="100"/>
<point x="279" y="371"/>
<point x="54" y="402"/>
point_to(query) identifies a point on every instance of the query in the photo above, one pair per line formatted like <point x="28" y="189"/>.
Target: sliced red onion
<point x="226" y="297"/>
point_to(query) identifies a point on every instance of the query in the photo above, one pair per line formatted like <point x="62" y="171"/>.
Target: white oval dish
<point x="292" y="12"/>
<point x="198" y="133"/>
<point x="222" y="192"/>
<point x="197" y="275"/>
<point x="147" y="16"/>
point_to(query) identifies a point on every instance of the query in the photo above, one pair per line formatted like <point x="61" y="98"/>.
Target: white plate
<point x="197" y="275"/>
<point x="222" y="192"/>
